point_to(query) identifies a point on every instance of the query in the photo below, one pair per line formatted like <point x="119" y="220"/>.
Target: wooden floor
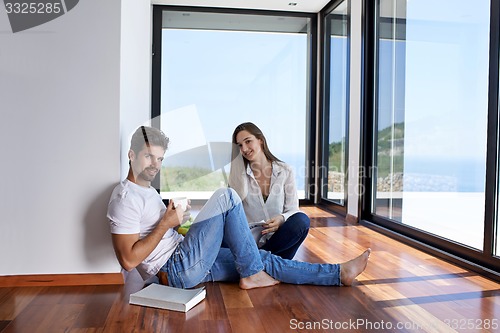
<point x="402" y="290"/>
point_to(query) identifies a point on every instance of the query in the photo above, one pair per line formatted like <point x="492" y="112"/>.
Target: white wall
<point x="60" y="132"/>
<point x="135" y="69"/>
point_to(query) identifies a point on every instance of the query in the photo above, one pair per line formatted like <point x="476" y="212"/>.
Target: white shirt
<point x="134" y="209"/>
<point x="282" y="197"/>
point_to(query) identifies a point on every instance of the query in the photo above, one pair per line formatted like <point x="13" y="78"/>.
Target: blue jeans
<point x="286" y="240"/>
<point x="200" y="258"/>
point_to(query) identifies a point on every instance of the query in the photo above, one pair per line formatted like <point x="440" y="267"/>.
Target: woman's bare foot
<point x="258" y="280"/>
<point x="352" y="268"/>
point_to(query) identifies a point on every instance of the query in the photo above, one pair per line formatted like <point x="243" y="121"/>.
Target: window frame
<point x="325" y="108"/>
<point x="157" y="17"/>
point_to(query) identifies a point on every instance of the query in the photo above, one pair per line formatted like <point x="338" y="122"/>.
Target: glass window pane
<point x="431" y="116"/>
<point x="219" y="70"/>
<point x="336" y="93"/>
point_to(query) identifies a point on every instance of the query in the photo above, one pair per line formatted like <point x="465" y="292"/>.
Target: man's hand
<point x="273" y="224"/>
<point x="175" y="216"/>
<point x="131" y="250"/>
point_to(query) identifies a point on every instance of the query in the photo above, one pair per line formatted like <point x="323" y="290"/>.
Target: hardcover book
<point x="165" y="297"/>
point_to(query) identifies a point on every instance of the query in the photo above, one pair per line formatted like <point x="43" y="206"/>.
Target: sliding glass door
<point x="431" y="140"/>
<point x="216" y="69"/>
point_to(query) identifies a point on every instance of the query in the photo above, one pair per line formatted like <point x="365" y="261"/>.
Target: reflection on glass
<point x="336" y="80"/>
<point x="219" y="70"/>
<point x="431" y="116"/>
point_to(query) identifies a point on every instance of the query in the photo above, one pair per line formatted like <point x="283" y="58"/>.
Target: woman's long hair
<point x="254" y="130"/>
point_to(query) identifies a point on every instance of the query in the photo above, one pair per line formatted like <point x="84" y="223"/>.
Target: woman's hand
<point x="273" y="224"/>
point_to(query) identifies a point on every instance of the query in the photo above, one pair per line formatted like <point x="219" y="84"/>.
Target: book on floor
<point x="165" y="297"/>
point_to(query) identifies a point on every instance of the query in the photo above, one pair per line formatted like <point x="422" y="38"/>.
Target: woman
<point x="267" y="187"/>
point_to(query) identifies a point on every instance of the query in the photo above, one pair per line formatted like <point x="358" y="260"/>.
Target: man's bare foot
<point x="352" y="268"/>
<point x="258" y="280"/>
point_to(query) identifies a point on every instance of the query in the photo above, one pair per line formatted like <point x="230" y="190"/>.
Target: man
<point x="143" y="234"/>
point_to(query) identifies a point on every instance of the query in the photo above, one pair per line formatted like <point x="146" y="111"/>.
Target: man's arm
<point x="131" y="251"/>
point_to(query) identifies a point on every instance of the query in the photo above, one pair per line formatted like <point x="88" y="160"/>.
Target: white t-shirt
<point x="134" y="209"/>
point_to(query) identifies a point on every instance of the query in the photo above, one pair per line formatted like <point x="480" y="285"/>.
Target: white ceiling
<point x="307" y="6"/>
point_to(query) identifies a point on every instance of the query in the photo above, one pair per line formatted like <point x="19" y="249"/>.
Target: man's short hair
<point x="150" y="136"/>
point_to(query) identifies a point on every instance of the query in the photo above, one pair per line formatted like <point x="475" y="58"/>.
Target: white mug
<point x="180" y="201"/>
